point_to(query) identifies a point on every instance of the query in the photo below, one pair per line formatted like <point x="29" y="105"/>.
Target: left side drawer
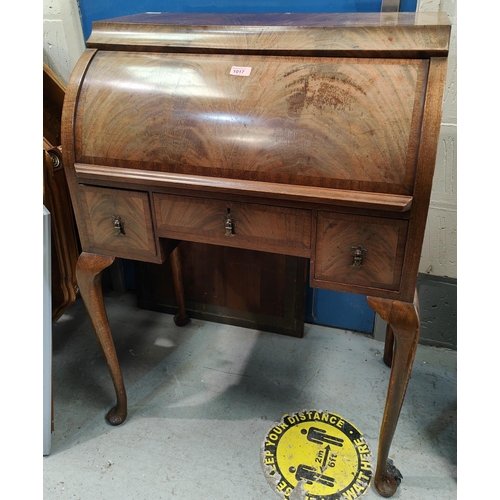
<point x="118" y="222"/>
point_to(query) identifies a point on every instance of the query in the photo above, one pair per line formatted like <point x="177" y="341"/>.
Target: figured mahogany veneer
<point x="256" y="227"/>
<point x="323" y="122"/>
<point x="136" y="230"/>
<point x="312" y="135"/>
<point x="338" y="234"/>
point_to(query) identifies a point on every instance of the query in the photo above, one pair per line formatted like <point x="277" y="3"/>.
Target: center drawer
<point x="236" y="224"/>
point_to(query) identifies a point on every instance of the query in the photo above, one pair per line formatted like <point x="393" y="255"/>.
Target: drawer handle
<point x="118" y="225"/>
<point x="358" y="254"/>
<point x="56" y="162"/>
<point x="229" y="223"/>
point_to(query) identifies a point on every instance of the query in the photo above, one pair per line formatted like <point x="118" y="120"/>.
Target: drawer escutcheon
<point x="358" y="254"/>
<point x="229" y="223"/>
<point x="118" y="224"/>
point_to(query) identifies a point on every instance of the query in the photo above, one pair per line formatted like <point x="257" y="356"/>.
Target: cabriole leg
<point x="404" y="321"/>
<point x="89" y="278"/>
<point x="181" y="318"/>
<point x="388" y="346"/>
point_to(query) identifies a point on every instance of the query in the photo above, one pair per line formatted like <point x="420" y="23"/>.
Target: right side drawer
<point x="359" y="251"/>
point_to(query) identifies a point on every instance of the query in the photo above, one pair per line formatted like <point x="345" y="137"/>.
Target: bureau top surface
<point x="397" y="33"/>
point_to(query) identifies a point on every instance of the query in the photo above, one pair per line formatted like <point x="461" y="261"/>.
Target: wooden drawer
<point x="134" y="238"/>
<point x="382" y="243"/>
<point x="255" y="227"/>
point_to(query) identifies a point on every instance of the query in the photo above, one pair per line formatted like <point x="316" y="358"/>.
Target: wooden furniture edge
<point x="67" y="132"/>
<point x="330" y="34"/>
<point x="427" y="153"/>
<point x="330" y="196"/>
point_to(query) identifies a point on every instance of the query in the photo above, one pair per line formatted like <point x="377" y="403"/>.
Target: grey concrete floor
<point x="202" y="397"/>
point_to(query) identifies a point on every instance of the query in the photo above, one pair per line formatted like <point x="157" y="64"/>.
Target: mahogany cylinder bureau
<point x="311" y="135"/>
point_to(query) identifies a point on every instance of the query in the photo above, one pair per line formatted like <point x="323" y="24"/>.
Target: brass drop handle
<point x="118" y="224"/>
<point x="358" y="254"/>
<point x="229" y="223"/>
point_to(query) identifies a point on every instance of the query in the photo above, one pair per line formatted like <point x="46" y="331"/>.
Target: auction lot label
<point x="316" y="455"/>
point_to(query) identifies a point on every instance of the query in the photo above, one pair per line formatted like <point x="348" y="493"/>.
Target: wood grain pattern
<point x="133" y="208"/>
<point x="67" y="138"/>
<point x="257" y="290"/>
<point x="407" y="34"/>
<point x="425" y="172"/>
<point x="404" y="318"/>
<point x="383" y="239"/>
<point x="89" y="270"/>
<point x="257" y="227"/>
<point x="56" y="198"/>
<point x="64" y="238"/>
<point x="335" y="123"/>
<point x="53" y="98"/>
<point x="270" y="190"/>
<point x="343" y="111"/>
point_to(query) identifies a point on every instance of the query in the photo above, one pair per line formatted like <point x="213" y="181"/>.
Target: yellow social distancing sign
<point x="316" y="455"/>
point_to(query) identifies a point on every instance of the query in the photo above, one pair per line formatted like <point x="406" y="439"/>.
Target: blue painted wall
<point x="95" y="10"/>
<point x="347" y="311"/>
<point x="324" y="307"/>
